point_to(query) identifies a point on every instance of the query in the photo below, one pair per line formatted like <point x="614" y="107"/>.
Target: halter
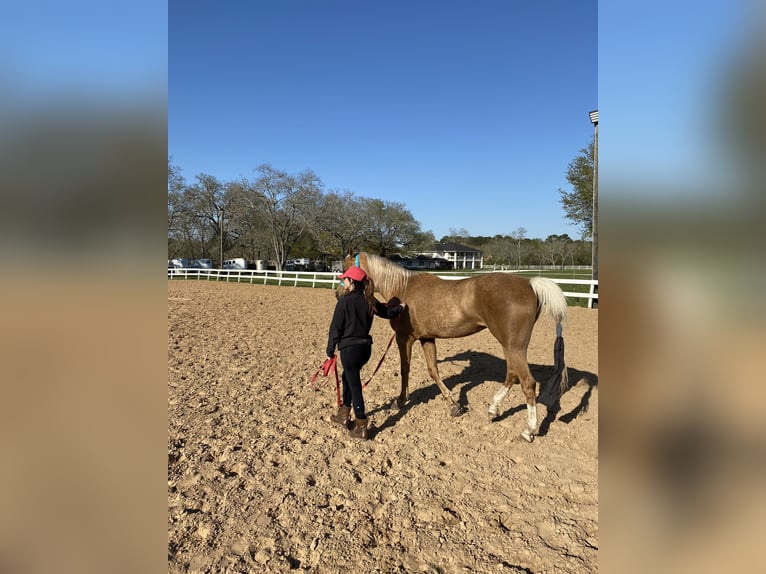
<point x="356" y="264"/>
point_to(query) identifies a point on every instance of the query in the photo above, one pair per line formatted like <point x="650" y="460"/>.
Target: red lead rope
<point x="330" y="364"/>
<point x="395" y="323"/>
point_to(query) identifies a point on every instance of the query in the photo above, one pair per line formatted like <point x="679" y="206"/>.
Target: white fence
<point x="294" y="278"/>
<point x="326" y="280"/>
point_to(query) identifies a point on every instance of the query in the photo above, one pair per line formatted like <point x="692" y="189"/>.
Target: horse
<point x="506" y="304"/>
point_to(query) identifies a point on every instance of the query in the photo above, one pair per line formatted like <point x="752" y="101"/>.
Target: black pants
<point x="353" y="358"/>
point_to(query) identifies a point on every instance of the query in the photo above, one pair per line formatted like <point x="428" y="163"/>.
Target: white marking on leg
<point x="532" y="418"/>
<point x="496" y="400"/>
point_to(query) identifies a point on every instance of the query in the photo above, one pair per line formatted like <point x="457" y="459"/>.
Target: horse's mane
<point x="390" y="279"/>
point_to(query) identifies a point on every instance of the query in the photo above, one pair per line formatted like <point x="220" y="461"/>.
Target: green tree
<point x="578" y="204"/>
<point x="390" y="226"/>
<point x="342" y="223"/>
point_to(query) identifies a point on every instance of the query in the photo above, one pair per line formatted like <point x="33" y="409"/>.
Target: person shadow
<point x="482" y="368"/>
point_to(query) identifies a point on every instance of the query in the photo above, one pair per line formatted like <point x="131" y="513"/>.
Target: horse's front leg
<point x="429" y="350"/>
<point x="405" y="353"/>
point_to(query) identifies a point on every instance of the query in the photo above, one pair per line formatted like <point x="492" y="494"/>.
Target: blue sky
<point x="87" y="49"/>
<point x="468" y="113"/>
<point x="663" y="80"/>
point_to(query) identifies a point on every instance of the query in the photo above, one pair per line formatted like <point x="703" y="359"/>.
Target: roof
<point x="449" y="247"/>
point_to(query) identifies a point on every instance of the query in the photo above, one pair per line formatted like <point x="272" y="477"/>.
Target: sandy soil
<point x="259" y="480"/>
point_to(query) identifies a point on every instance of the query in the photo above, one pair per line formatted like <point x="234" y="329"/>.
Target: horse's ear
<point x="350" y="251"/>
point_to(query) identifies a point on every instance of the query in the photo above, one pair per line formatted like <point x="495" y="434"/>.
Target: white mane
<point x="389" y="278"/>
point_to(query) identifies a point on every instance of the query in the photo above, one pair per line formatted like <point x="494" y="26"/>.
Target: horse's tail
<point x="552" y="302"/>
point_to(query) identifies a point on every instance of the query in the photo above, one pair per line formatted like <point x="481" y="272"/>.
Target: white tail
<point x="550" y="298"/>
<point x="552" y="302"/>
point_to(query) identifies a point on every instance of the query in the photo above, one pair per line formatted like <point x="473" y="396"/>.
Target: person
<point x="350" y="333"/>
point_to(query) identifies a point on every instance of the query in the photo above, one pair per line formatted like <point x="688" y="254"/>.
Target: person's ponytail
<point x="369" y="294"/>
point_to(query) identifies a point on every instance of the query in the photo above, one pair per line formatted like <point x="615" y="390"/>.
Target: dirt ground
<point x="259" y="479"/>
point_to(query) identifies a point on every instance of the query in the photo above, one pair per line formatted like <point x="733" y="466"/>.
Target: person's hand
<point x="404" y="305"/>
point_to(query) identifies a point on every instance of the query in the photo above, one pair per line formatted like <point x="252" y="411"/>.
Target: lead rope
<point x="395" y="323"/>
<point x="331" y="364"/>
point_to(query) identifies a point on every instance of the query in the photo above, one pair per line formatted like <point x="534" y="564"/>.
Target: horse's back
<point x="460" y="307"/>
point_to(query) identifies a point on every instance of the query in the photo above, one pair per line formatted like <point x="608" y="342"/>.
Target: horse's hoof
<point x="457" y="410"/>
<point x="397" y="404"/>
<point x="527" y="436"/>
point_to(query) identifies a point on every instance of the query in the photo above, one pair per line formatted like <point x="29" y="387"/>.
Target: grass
<point x="566" y="274"/>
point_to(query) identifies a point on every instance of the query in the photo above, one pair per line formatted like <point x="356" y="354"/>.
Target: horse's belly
<point x="435" y="329"/>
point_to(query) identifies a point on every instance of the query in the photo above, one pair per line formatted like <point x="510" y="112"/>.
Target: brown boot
<point x="359" y="430"/>
<point x="343" y="418"/>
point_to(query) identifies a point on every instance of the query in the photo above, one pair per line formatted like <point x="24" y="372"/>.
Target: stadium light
<point x="594" y="273"/>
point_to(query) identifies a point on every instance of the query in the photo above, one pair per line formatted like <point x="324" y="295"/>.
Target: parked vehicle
<point x="236" y="263"/>
<point x="179" y="263"/>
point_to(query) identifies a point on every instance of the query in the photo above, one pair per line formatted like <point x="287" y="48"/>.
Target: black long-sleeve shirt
<point x="352" y="321"/>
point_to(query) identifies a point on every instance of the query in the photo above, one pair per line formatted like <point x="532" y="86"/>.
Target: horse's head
<point x="350" y="260"/>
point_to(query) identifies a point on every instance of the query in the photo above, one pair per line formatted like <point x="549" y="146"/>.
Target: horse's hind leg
<point x="528" y="385"/>
<point x="429" y="350"/>
<point x="510" y="379"/>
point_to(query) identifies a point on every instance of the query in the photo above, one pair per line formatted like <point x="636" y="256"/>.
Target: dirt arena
<point x="259" y="480"/>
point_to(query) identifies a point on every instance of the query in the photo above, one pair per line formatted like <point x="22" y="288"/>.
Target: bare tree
<point x="246" y="222"/>
<point x="208" y="203"/>
<point x="289" y="206"/>
<point x="518" y="237"/>
<point x="555" y="249"/>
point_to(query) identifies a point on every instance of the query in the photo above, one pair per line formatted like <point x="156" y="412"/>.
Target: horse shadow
<point x="483" y="367"/>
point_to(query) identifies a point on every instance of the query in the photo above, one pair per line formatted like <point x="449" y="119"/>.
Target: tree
<point x="177" y="228"/>
<point x="246" y="223"/>
<point x="342" y="223"/>
<point x="578" y="204"/>
<point x="518" y="237"/>
<point x="420" y="241"/>
<point x="289" y="206"/>
<point x="389" y="226"/>
<point x="456" y="236"/>
<point x="175" y="186"/>
<point x="207" y="201"/>
<point x="555" y="249"/>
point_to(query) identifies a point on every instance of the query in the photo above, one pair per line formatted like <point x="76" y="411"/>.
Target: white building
<point x="461" y="256"/>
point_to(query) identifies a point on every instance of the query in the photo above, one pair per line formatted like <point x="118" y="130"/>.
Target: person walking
<point x="350" y="333"/>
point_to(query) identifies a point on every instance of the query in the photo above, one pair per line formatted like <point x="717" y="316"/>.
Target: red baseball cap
<point x="354" y="273"/>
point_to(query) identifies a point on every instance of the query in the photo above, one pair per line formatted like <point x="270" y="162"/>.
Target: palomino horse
<point x="506" y="304"/>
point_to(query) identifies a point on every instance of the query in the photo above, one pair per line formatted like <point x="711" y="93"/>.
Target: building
<point x="421" y="262"/>
<point x="461" y="256"/>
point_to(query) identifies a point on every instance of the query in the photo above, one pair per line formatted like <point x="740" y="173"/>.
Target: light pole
<point x="594" y="121"/>
<point x="220" y="229"/>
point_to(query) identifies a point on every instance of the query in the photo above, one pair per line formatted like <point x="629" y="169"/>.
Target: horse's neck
<point x="389" y="281"/>
<point x="389" y="294"/>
